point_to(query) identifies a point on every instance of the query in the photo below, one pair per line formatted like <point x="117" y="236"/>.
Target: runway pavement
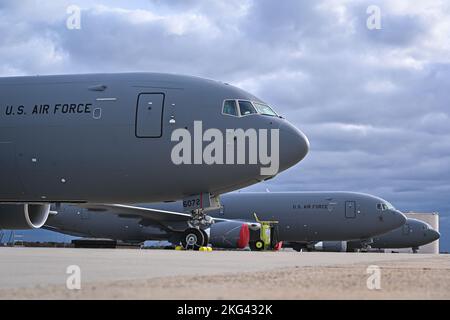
<point x="41" y="273"/>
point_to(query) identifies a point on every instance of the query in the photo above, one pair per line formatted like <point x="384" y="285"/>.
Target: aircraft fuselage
<point x="108" y="138"/>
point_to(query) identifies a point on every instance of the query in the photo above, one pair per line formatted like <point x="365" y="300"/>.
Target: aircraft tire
<point x="205" y="238"/>
<point x="193" y="239"/>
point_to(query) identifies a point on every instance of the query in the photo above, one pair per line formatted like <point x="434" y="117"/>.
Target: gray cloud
<point x="373" y="103"/>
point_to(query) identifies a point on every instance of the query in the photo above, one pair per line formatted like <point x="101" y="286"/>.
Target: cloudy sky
<point x="375" y="104"/>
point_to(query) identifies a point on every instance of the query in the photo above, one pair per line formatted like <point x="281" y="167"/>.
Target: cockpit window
<point x="390" y="206"/>
<point x="230" y="108"/>
<point x="264" y="109"/>
<point x="385" y="206"/>
<point x="239" y="108"/>
<point x="246" y="107"/>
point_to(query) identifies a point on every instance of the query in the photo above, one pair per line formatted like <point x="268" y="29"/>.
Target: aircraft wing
<point x="174" y="221"/>
<point x="133" y="211"/>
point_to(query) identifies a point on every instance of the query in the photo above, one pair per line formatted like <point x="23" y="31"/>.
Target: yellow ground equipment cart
<point x="265" y="237"/>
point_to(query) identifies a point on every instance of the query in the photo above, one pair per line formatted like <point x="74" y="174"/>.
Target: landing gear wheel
<point x="257" y="245"/>
<point x="205" y="238"/>
<point x="193" y="239"/>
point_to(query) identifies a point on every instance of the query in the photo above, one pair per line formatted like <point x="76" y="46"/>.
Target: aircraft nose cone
<point x="434" y="235"/>
<point x="294" y="146"/>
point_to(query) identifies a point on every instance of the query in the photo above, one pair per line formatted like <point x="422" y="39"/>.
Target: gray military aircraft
<point x="128" y="138"/>
<point x="413" y="234"/>
<point x="303" y="218"/>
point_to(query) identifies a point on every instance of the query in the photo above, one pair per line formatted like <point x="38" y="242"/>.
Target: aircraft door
<point x="350" y="209"/>
<point x="149" y="115"/>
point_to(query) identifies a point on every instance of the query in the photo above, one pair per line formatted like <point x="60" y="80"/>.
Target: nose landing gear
<point x="366" y="244"/>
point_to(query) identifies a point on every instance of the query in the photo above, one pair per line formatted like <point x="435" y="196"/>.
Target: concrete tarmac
<point x="41" y="273"/>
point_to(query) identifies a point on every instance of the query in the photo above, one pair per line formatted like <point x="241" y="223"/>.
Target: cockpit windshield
<point x="264" y="109"/>
<point x="240" y="108"/>
<point x="246" y="108"/>
<point x="385" y="206"/>
<point x="390" y="206"/>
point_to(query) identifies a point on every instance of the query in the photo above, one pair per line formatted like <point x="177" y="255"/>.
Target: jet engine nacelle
<point x="229" y="235"/>
<point x="23" y="216"/>
<point x="332" y="246"/>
